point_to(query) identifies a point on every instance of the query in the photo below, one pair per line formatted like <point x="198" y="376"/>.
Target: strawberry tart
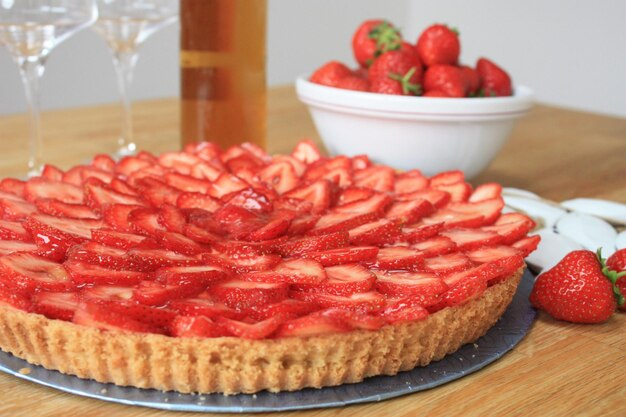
<point x="236" y="271"/>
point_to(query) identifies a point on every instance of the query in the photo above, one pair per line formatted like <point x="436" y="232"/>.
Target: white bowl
<point x="430" y="134"/>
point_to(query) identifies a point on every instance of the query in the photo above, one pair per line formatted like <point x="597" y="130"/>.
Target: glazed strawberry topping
<point x="204" y="243"/>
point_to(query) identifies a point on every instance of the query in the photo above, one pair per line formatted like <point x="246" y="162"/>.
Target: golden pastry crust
<point x="231" y="365"/>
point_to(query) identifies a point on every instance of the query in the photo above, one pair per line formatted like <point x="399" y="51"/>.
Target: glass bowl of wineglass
<point x="30" y="30"/>
<point x="125" y="25"/>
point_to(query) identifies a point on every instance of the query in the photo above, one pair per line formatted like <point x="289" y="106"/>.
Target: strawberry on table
<point x="438" y="45"/>
<point x="617" y="263"/>
<point x="372" y="38"/>
<point x="579" y="289"/>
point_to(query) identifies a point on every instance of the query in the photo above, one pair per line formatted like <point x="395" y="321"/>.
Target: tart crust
<point x="231" y="365"/>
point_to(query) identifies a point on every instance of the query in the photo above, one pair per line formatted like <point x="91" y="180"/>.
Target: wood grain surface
<point x="559" y="369"/>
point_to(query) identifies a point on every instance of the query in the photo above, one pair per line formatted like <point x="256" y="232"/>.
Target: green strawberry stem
<point x="407" y="85"/>
<point x="613" y="276"/>
<point x="387" y="38"/>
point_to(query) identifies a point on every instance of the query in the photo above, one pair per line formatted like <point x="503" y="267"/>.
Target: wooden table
<point x="558" y="369"/>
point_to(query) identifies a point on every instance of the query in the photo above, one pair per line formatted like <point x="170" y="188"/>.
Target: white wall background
<point x="572" y="53"/>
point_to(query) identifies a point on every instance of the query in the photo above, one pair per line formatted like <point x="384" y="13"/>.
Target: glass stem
<point x="124" y="62"/>
<point x="31" y="70"/>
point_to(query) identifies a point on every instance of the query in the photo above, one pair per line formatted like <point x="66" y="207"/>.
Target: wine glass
<point x="125" y="25"/>
<point x="30" y="29"/>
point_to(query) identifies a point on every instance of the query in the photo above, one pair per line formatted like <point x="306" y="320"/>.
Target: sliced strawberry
<point x="511" y="226"/>
<point x="16" y="209"/>
<point x="462" y="287"/>
<point x="243" y="262"/>
<point x="452" y="219"/>
<point x="378" y="178"/>
<point x="43" y="188"/>
<point x="377" y="203"/>
<point x="356" y="319"/>
<point x="94" y="253"/>
<point x="298" y="166"/>
<point x="11" y="246"/>
<point x="152" y="259"/>
<point x="410" y="182"/>
<point x="157" y="192"/>
<point x="60" y="209"/>
<point x="103" y="162"/>
<point x="370" y="301"/>
<point x="306" y="151"/>
<point x="252" y="199"/>
<point x="179" y="243"/>
<point x="207" y="171"/>
<point x="116" y="216"/>
<point x="435" y="197"/>
<point x="288" y="308"/>
<point x="279" y="176"/>
<point x="17" y="299"/>
<point x="468" y="239"/>
<point x="99" y="195"/>
<point x="73" y="175"/>
<point x="341" y="176"/>
<point x="244" y="166"/>
<point x="13" y="231"/>
<point x="399" y="257"/>
<point x="459" y="192"/>
<point x="296" y="247"/>
<point x="336" y="222"/>
<point x="155" y="293"/>
<point x="447" y="264"/>
<point x="330" y="168"/>
<point x="14" y="187"/>
<point x="8" y="196"/>
<point x="179" y="161"/>
<point x="314" y="324"/>
<point x="317" y="192"/>
<point x="237" y="221"/>
<point x="107" y="292"/>
<point x="200" y="234"/>
<point x="493" y="253"/>
<point x="340" y="256"/>
<point x="293" y="271"/>
<point x="207" y="151"/>
<point x="418" y="232"/>
<point x="57" y="233"/>
<point x="115" y="239"/>
<point x="407" y="212"/>
<point x="240" y="294"/>
<point x="26" y="271"/>
<point x="501" y="269"/>
<point x="52" y="173"/>
<point x="256" y="151"/>
<point x="403" y="284"/>
<point x="258" y="330"/>
<point x="277" y="225"/>
<point x="486" y="192"/>
<point x="172" y="218"/>
<point x="490" y="209"/>
<point x="130" y="164"/>
<point x="84" y="273"/>
<point x="343" y="280"/>
<point x="145" y="221"/>
<point x="100" y="315"/>
<point x="239" y="247"/>
<point x="360" y="162"/>
<point x="435" y="246"/>
<point x="201" y="306"/>
<point x="90" y="173"/>
<point x="302" y="224"/>
<point x="353" y="194"/>
<point x="527" y="245"/>
<point x="375" y="233"/>
<point x="187" y="183"/>
<point x="189" y="326"/>
<point x="56" y="305"/>
<point x="198" y="200"/>
<point x="177" y="275"/>
<point x="405" y="310"/>
<point x="123" y="187"/>
<point x="448" y="177"/>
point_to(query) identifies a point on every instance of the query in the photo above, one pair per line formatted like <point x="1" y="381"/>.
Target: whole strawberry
<point x="396" y="72"/>
<point x="373" y="38"/>
<point x="438" y="45"/>
<point x="494" y="80"/>
<point x="617" y="263"/>
<point x="576" y="289"/>
<point x="447" y="79"/>
<point x="331" y="73"/>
